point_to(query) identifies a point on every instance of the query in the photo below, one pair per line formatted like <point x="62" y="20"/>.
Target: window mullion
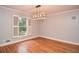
<point x="18" y="28"/>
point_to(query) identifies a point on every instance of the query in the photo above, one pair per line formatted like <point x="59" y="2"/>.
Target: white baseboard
<point x="36" y="37"/>
<point x="60" y="40"/>
<point x="12" y="42"/>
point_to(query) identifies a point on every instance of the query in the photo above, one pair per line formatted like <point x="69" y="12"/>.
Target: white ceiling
<point x="30" y="9"/>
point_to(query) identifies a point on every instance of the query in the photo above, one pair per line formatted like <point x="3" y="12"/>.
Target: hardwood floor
<point x="40" y="45"/>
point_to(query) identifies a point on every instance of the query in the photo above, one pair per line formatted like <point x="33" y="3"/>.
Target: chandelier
<point x="38" y="14"/>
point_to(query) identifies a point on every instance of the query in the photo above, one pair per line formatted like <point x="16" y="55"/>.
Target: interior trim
<point x="69" y="42"/>
<point x="8" y="43"/>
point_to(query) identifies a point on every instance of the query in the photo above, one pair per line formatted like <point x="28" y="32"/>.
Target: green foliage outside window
<point x="22" y="26"/>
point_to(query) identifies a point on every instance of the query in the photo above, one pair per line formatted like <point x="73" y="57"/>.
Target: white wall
<point x="6" y="15"/>
<point x="62" y="26"/>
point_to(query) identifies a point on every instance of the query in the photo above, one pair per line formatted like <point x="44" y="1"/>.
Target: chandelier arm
<point x="38" y="15"/>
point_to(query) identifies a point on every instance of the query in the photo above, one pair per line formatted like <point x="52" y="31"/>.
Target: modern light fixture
<point x="38" y="14"/>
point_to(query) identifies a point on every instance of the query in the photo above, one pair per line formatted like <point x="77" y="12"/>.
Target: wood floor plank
<point x="40" y="45"/>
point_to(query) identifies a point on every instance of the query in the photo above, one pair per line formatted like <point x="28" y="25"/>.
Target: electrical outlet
<point x="73" y="17"/>
<point x="7" y="40"/>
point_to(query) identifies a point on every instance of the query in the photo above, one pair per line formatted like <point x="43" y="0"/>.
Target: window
<point x="19" y="26"/>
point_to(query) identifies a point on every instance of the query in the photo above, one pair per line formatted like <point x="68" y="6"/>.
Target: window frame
<point x="13" y="26"/>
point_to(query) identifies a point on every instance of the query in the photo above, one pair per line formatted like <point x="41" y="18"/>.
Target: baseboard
<point x="36" y="37"/>
<point x="69" y="42"/>
<point x="8" y="43"/>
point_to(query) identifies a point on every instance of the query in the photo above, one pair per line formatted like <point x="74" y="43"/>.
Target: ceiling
<point x="30" y="9"/>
